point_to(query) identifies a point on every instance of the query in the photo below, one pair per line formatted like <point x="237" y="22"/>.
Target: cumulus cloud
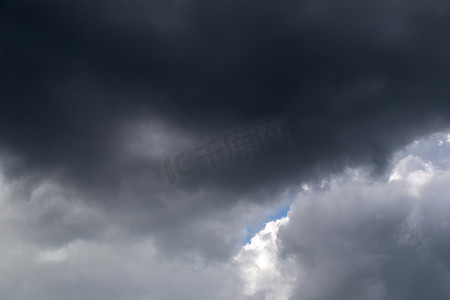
<point x="365" y="239"/>
<point x="349" y="236"/>
<point x="265" y="275"/>
<point x="55" y="247"/>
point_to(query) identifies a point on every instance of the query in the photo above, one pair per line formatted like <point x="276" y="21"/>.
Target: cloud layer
<point x="349" y="236"/>
<point x="355" y="81"/>
<point x="133" y="149"/>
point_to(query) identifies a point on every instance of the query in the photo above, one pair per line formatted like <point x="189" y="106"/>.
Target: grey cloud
<point x="95" y="95"/>
<point x="361" y="239"/>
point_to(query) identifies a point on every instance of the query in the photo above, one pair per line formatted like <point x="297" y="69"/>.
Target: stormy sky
<point x="193" y="149"/>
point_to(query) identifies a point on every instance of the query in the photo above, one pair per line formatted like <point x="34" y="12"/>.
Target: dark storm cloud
<point x="354" y="79"/>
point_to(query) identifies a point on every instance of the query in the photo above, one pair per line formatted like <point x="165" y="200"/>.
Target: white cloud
<point x="305" y="187"/>
<point x="414" y="172"/>
<point x="55" y="255"/>
<point x="262" y="270"/>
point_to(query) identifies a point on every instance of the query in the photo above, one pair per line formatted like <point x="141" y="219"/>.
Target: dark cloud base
<point x="355" y="80"/>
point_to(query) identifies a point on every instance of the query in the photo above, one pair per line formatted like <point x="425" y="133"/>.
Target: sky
<point x="192" y="149"/>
